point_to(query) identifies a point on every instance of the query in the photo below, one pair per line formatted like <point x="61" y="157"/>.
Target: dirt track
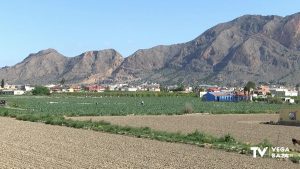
<point x="35" y="145"/>
<point x="243" y="127"/>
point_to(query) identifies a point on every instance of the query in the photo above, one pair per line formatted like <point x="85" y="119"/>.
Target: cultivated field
<point x="245" y="127"/>
<point x="36" y="145"/>
<point x="118" y="106"/>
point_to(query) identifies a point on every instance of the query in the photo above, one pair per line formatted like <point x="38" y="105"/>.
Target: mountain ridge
<point x="251" y="47"/>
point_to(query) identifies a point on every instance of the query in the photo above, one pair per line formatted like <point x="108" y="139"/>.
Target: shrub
<point x="295" y="159"/>
<point x="265" y="143"/>
<point x="196" y="136"/>
<point x="4" y="113"/>
<point x="227" y="138"/>
<point x="274" y="100"/>
<point x="41" y="90"/>
<point x="188" y="108"/>
<point x="200" y="137"/>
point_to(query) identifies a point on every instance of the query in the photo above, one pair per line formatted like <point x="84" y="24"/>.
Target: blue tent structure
<point x="224" y="97"/>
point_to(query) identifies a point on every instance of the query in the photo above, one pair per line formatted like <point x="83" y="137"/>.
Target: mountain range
<point x="251" y="47"/>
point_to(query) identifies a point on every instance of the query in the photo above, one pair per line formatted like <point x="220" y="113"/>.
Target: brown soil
<point x="246" y="128"/>
<point x="36" y="145"/>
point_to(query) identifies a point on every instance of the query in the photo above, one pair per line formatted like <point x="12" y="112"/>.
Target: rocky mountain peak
<point x="46" y="51"/>
<point x="100" y="53"/>
<point x="251" y="47"/>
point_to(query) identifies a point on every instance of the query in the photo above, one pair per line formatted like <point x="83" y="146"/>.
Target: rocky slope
<point x="251" y="47"/>
<point x="259" y="48"/>
<point x="49" y="66"/>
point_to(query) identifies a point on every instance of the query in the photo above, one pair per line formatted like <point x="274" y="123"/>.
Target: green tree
<point x="2" y="83"/>
<point x="249" y="86"/>
<point x="246" y="89"/>
<point x="41" y="90"/>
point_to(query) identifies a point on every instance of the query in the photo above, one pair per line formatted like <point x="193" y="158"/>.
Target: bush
<point x="227" y="138"/>
<point x="260" y="99"/>
<point x="295" y="159"/>
<point x="41" y="90"/>
<point x="4" y="113"/>
<point x="200" y="137"/>
<point x="188" y="108"/>
<point x="274" y="100"/>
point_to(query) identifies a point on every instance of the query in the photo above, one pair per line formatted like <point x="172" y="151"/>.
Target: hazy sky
<point x="76" y="26"/>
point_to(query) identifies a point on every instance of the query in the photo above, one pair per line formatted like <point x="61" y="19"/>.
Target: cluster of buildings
<point x="22" y="89"/>
<point x="223" y="94"/>
<point x="207" y="92"/>
<point x="101" y="88"/>
<point x="15" y="89"/>
<point x="150" y="87"/>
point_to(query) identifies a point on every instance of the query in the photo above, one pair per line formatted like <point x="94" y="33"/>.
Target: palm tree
<point x="246" y="89"/>
<point x="250" y="86"/>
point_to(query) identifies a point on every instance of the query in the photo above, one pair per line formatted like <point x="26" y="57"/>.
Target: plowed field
<point x="36" y="145"/>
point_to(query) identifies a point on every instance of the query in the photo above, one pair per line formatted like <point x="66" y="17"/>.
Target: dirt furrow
<point x="36" y="145"/>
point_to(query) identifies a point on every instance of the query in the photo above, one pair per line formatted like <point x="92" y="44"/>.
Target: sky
<point x="75" y="26"/>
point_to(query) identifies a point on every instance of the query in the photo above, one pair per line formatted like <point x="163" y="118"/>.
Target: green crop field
<point x="114" y="105"/>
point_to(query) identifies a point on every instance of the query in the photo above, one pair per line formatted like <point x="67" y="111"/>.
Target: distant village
<point x="206" y="92"/>
<point x="8" y="89"/>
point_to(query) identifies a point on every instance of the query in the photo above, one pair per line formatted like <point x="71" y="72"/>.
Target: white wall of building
<point x="19" y="92"/>
<point x="201" y="94"/>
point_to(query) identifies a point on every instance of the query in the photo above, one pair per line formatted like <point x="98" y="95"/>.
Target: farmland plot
<point x="118" y="106"/>
<point x="36" y="145"/>
<point x="246" y="127"/>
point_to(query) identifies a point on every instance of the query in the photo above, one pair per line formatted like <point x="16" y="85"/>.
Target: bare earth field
<point x="244" y="127"/>
<point x="36" y="145"/>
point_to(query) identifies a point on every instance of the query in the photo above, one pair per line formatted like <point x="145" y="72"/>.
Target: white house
<point x="50" y="86"/>
<point x="154" y="89"/>
<point x="283" y="92"/>
<point x="28" y="88"/>
<point x="112" y="87"/>
<point x="9" y="87"/>
<point x="291" y="93"/>
<point x="131" y="89"/>
<point x="19" y="92"/>
<point x="288" y="99"/>
<point x="12" y="92"/>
